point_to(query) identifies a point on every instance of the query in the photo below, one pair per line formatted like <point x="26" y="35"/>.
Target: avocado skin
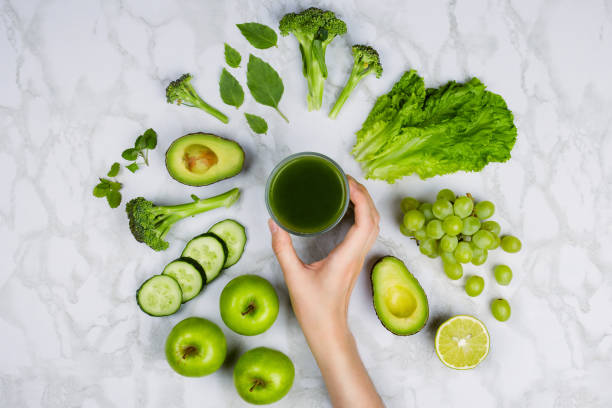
<point x="415" y="329"/>
<point x="220" y="139"/>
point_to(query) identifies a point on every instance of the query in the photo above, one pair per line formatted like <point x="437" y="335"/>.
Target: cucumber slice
<point x="209" y="251"/>
<point x="234" y="236"/>
<point x="189" y="275"/>
<point x="160" y="295"/>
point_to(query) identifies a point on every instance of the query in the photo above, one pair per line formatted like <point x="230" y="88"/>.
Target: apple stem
<point x="257" y="382"/>
<point x="188" y="351"/>
<point x="249" y="309"/>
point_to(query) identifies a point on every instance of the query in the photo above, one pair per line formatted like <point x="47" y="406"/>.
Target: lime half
<point x="462" y="342"/>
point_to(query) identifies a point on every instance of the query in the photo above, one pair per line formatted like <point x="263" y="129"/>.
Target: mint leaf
<point x="140" y="143"/>
<point x="130" y="154"/>
<point x="101" y="190"/>
<point x="230" y="89"/>
<point x="257" y="123"/>
<point x="150" y="139"/>
<point x="232" y="57"/>
<point x="113" y="198"/>
<point x="114" y="170"/>
<point x="132" y="167"/>
<point x="265" y="84"/>
<point x="259" y="35"/>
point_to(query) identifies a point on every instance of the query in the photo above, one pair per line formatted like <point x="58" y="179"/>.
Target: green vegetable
<point x="182" y="92"/>
<point x="366" y="62"/>
<point x="232" y="57"/>
<point x="259" y="35"/>
<point x="257" y="123"/>
<point x="230" y="89"/>
<point x="429" y="132"/>
<point x="150" y="223"/>
<point x="109" y="189"/>
<point x="314" y="29"/>
<point x="114" y="170"/>
<point x="265" y="84"/>
<point x="145" y="142"/>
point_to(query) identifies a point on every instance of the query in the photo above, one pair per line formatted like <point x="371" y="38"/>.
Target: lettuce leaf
<point x="435" y="131"/>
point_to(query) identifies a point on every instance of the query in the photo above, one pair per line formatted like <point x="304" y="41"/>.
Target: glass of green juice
<point x="307" y="194"/>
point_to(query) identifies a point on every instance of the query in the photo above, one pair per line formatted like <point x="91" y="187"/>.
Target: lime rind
<point x="473" y="336"/>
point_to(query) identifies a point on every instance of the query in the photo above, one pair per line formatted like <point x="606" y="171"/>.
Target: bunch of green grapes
<point x="459" y="231"/>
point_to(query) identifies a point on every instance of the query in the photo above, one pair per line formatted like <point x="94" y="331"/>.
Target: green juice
<point x="307" y="194"/>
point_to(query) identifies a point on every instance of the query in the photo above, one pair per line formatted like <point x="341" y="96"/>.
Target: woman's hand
<point x="320" y="294"/>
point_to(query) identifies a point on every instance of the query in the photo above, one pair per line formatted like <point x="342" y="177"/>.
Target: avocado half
<point x="199" y="159"/>
<point x="399" y="300"/>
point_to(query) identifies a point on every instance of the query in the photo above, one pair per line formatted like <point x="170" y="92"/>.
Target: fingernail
<point x="272" y="225"/>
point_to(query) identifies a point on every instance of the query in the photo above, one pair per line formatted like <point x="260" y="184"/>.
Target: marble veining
<point x="80" y="79"/>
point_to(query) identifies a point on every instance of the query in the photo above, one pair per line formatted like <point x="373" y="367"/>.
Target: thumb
<point x="283" y="248"/>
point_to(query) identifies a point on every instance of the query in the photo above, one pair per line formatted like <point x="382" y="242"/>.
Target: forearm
<point x="344" y="374"/>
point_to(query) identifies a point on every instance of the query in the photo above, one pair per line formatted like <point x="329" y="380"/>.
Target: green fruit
<point x="409" y="203"/>
<point x="263" y="375"/>
<point x="199" y="159"/>
<point x="448" y="243"/>
<point x="420" y="234"/>
<point x="405" y="231"/>
<point x="484" y="209"/>
<point x="479" y="256"/>
<point x="429" y="247"/>
<point x="248" y="305"/>
<point x="195" y="347"/>
<point x="463" y="206"/>
<point x="500" y="308"/>
<point x="414" y="220"/>
<point x="425" y="208"/>
<point x="470" y="225"/>
<point x="511" y="244"/>
<point x="452" y="225"/>
<point x="446" y="194"/>
<point x="474" y="285"/>
<point x="491" y="226"/>
<point x="442" y="209"/>
<point x="399" y="300"/>
<point x="452" y="268"/>
<point x="434" y="229"/>
<point x="463" y="253"/>
<point x="483" y="239"/>
<point x="462" y="342"/>
<point x="503" y="274"/>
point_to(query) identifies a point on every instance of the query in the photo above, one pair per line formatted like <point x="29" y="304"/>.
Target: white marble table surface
<point x="80" y="79"/>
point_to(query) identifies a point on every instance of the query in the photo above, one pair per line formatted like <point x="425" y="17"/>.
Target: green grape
<point x="483" y="239"/>
<point x="434" y="229"/>
<point x="405" y="231"/>
<point x="463" y="252"/>
<point x="446" y="194"/>
<point x="463" y="206"/>
<point x="474" y="285"/>
<point x="479" y="256"/>
<point x="500" y="308"/>
<point x="414" y="220"/>
<point x="429" y="247"/>
<point x="442" y="209"/>
<point x="511" y="244"/>
<point x="503" y="274"/>
<point x="425" y="208"/>
<point x="448" y="243"/>
<point x="421" y="234"/>
<point x="470" y="225"/>
<point x="496" y="242"/>
<point x="491" y="226"/>
<point x="452" y="268"/>
<point x="484" y="209"/>
<point x="409" y="203"/>
<point x="452" y="225"/>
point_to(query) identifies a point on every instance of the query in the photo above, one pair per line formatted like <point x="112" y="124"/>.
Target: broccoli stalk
<point x="314" y="29"/>
<point x="182" y="92"/>
<point x="150" y="223"/>
<point x="366" y="62"/>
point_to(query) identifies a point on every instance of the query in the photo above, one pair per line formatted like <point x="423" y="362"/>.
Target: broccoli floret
<point x="314" y="29"/>
<point x="150" y="223"/>
<point x="182" y="92"/>
<point x="366" y="62"/>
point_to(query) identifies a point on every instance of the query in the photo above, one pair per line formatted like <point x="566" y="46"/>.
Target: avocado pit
<point x="199" y="158"/>
<point x="400" y="301"/>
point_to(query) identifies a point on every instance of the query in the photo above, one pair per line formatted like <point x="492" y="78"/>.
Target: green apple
<point x="248" y="305"/>
<point x="263" y="375"/>
<point x="196" y="347"/>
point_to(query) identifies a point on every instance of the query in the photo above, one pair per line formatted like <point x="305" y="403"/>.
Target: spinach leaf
<point x="257" y="123"/>
<point x="260" y="36"/>
<point x="265" y="84"/>
<point x="230" y="89"/>
<point x="232" y="57"/>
